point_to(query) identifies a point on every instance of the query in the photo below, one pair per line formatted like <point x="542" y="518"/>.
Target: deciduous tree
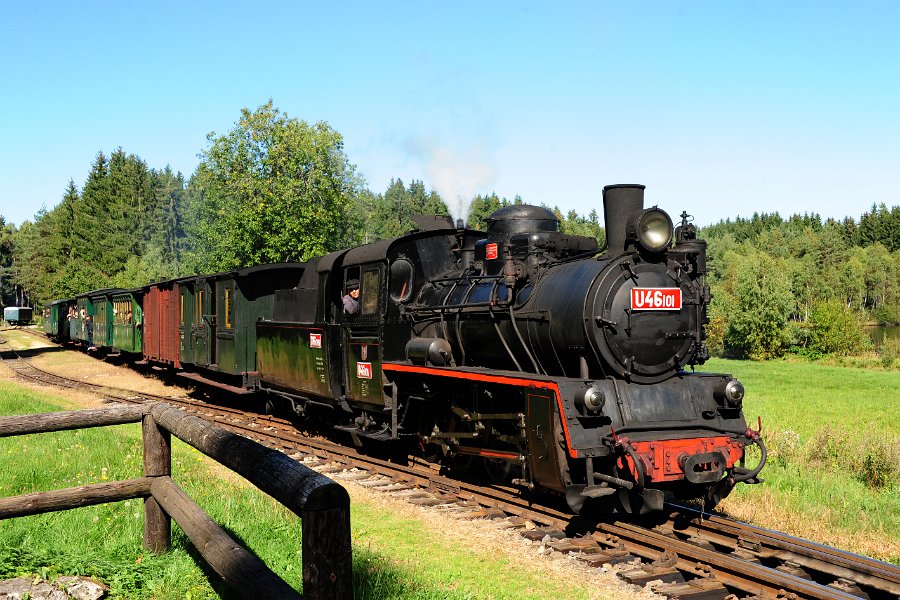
<point x="272" y="189"/>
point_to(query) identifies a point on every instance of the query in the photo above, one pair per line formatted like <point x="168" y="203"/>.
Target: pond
<point x="880" y="333"/>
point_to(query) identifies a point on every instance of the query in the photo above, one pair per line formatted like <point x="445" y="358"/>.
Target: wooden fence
<point x="322" y="505"/>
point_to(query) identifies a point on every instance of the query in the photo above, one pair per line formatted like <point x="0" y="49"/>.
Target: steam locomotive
<point x="522" y="352"/>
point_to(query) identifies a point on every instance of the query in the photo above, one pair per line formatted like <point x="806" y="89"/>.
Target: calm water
<point x="880" y="333"/>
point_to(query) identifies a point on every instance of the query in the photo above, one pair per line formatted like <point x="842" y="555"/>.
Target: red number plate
<point x="655" y="298"/>
<point x="490" y="252"/>
<point x="364" y="370"/>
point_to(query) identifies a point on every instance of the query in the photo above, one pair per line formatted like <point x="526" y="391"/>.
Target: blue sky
<point x="719" y="108"/>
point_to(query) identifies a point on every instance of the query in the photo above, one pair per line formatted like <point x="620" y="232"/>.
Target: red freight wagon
<point x="161" y="323"/>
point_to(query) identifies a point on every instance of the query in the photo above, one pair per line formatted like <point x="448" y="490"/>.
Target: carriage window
<point x="228" y="308"/>
<point x="182" y="307"/>
<point x="198" y="313"/>
<point x="121" y="312"/>
<point x="401" y="280"/>
<point x="369" y="292"/>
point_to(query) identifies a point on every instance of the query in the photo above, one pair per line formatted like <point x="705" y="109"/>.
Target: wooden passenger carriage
<point x="215" y="318"/>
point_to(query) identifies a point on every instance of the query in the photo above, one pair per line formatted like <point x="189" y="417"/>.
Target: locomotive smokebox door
<point x="646" y="323"/>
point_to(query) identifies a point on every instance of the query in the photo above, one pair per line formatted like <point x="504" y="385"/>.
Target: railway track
<point x="681" y="554"/>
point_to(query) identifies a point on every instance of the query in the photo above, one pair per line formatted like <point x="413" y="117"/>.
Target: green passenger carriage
<point x="57" y="318"/>
<point x="217" y="315"/>
<point x="127" y="320"/>
<point x="102" y="315"/>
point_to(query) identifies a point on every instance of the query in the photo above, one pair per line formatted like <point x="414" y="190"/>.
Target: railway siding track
<point x="687" y="556"/>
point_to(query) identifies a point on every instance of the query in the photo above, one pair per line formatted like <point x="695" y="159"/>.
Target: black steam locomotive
<point x="525" y="352"/>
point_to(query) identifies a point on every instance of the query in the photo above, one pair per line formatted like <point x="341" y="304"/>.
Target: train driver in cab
<point x="351" y="298"/>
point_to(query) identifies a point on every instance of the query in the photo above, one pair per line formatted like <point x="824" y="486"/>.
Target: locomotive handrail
<point x="323" y="505"/>
<point x="458" y="307"/>
<point x="456" y="279"/>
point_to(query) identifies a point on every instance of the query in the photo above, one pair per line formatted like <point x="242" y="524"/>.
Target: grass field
<point x="834" y="441"/>
<point x="396" y="553"/>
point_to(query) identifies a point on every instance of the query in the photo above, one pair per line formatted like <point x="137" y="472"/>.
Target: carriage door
<point x="362" y="346"/>
<point x="212" y="357"/>
<point x="185" y="323"/>
<point x="200" y="331"/>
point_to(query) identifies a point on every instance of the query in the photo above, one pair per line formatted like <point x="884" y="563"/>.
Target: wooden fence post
<point x="327" y="553"/>
<point x="322" y="505"/>
<point x="157" y="463"/>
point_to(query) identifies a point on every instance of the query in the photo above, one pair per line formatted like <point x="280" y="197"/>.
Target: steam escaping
<point x="457" y="176"/>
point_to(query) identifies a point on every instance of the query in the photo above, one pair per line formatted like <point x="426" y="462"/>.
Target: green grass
<point x="833" y="435"/>
<point x="394" y="556"/>
<point x="805" y="396"/>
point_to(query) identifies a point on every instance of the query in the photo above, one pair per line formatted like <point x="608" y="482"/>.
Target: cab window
<point x="401" y="280"/>
<point x="369" y="292"/>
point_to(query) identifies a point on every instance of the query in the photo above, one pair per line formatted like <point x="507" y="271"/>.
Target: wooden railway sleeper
<point x="748" y="577"/>
<point x="845" y="585"/>
<point x="794" y="569"/>
<point x="694" y="589"/>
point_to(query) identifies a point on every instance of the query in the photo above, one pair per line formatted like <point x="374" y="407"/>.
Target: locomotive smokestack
<point x="619" y="203"/>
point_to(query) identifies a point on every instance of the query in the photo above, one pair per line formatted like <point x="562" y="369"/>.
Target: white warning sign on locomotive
<point x="655" y="298"/>
<point x="315" y="340"/>
<point x="364" y="370"/>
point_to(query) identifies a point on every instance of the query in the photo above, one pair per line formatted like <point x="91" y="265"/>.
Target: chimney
<point x="620" y="202"/>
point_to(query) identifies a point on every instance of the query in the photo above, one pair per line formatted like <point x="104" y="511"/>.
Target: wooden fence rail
<point x="322" y="505"/>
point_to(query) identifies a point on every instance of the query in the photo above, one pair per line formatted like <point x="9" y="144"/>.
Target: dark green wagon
<point x="103" y="316"/>
<point x="57" y="318"/>
<point x="127" y="320"/>
<point x="217" y="316"/>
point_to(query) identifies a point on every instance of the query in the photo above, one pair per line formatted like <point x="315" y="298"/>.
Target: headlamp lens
<point x="655" y="229"/>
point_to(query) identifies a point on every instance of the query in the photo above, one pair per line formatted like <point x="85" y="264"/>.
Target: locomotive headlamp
<point x="591" y="399"/>
<point x="653" y="229"/>
<point x="730" y="393"/>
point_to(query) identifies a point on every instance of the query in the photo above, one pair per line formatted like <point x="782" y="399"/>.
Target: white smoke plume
<point x="457" y="175"/>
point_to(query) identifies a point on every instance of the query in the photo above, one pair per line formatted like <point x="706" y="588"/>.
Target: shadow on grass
<point x="30" y="353"/>
<point x="374" y="577"/>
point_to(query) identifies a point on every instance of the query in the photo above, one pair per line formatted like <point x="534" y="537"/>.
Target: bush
<point x="797" y="335"/>
<point x="885" y="314"/>
<point x="876" y="468"/>
<point x="715" y="335"/>
<point x="834" y="329"/>
<point x="873" y="459"/>
<point x="783" y="447"/>
<point x="829" y="448"/>
<point x="888" y="352"/>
